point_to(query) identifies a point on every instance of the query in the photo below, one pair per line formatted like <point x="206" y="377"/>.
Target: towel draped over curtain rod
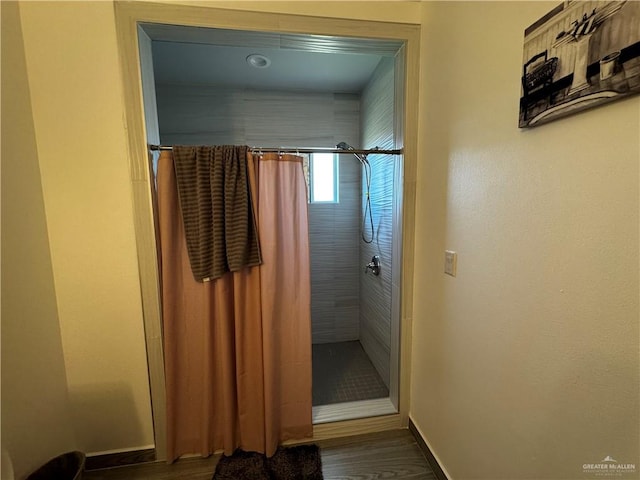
<point x="217" y="211"/>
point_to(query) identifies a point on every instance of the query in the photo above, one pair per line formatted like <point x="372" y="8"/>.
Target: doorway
<point x="391" y="52"/>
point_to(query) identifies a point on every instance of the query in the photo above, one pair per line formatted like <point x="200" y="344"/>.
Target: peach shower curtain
<point x="238" y="349"/>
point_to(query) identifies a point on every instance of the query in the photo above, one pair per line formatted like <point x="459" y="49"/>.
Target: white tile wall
<point x="216" y="116"/>
<point x="377" y="114"/>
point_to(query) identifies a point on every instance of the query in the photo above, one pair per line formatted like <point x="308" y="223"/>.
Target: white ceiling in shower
<point x="201" y="56"/>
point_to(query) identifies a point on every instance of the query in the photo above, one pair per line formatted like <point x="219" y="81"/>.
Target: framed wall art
<point x="580" y="55"/>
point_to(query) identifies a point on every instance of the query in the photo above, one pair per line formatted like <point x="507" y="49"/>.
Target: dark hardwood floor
<point x="390" y="455"/>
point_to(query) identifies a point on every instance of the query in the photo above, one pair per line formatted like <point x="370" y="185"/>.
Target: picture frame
<point x="580" y="55"/>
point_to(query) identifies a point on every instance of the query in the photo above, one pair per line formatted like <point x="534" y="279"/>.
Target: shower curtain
<point x="238" y="349"/>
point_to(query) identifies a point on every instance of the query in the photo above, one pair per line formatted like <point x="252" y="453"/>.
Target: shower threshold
<point x="337" y="412"/>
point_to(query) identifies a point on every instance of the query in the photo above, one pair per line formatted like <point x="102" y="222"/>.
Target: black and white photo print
<point x="579" y="55"/>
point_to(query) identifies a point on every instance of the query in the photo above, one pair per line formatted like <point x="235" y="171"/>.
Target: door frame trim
<point x="128" y="15"/>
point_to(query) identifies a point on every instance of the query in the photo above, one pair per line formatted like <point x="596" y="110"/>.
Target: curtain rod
<point x="304" y="150"/>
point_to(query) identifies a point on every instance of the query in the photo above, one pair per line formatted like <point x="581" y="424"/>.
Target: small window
<point x="323" y="178"/>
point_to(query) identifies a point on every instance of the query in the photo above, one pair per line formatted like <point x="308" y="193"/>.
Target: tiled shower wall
<point x="377" y="116"/>
<point x="200" y="115"/>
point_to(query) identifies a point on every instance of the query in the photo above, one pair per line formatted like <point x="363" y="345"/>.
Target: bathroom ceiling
<point x="203" y="56"/>
<point x="185" y="63"/>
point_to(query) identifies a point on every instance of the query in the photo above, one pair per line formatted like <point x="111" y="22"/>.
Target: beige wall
<point x="401" y="11"/>
<point x="77" y="103"/>
<point x="526" y="364"/>
<point x="35" y="406"/>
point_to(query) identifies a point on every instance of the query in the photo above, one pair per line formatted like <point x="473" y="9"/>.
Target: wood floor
<point x="390" y="455"/>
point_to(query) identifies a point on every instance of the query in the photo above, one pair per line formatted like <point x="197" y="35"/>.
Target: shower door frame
<point x="128" y="16"/>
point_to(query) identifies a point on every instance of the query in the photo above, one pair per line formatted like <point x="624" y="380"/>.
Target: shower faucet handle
<point x="373" y="265"/>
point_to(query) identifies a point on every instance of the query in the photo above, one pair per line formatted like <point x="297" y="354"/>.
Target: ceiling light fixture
<point x="258" y="61"/>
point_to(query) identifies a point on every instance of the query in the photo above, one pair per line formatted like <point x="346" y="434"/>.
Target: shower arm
<point x="362" y="157"/>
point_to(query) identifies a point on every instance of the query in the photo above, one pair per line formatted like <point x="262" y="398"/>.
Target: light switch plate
<point x="450" y="262"/>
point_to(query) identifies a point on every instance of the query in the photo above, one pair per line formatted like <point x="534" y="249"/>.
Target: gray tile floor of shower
<point x="342" y="372"/>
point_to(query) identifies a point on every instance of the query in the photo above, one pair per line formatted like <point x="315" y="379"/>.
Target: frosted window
<point x="324" y="177"/>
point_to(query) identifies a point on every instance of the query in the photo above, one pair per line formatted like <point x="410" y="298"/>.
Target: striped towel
<point x="218" y="217"/>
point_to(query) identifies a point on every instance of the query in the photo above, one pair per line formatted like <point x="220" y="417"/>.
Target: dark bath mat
<point x="294" y="463"/>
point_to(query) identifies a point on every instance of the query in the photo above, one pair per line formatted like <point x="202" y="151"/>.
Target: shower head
<point x="345" y="146"/>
